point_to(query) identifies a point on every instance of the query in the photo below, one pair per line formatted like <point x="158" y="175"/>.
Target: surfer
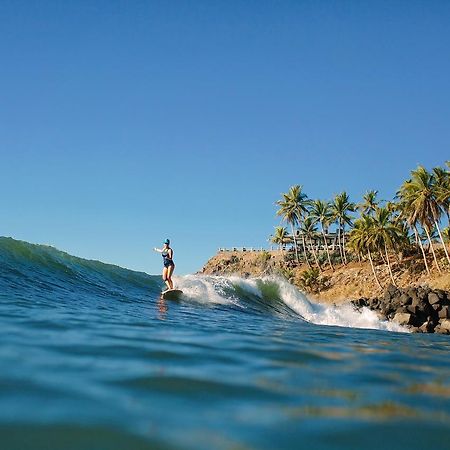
<point x="169" y="266"/>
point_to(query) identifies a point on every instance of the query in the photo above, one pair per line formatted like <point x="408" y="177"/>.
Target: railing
<point x="243" y="249"/>
<point x="289" y="247"/>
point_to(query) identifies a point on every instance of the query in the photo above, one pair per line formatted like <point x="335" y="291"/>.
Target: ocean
<point x="92" y="358"/>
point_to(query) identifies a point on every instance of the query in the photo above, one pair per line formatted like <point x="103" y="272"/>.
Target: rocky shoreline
<point x="420" y="303"/>
<point x="421" y="309"/>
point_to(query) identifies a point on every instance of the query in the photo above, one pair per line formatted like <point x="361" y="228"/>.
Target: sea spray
<point x="231" y="289"/>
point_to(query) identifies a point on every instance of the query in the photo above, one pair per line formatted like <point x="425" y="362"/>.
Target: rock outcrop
<point x="421" y="309"/>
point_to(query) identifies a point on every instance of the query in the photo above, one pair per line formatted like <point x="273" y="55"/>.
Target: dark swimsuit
<point x="167" y="261"/>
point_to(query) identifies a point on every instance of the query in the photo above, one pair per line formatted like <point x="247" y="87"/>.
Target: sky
<point x="123" y="123"/>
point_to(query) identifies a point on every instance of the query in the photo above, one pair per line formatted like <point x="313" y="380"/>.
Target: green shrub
<point x="311" y="280"/>
<point x="286" y="273"/>
<point x="264" y="258"/>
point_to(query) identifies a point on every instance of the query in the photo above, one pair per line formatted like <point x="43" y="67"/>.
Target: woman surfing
<point x="169" y="265"/>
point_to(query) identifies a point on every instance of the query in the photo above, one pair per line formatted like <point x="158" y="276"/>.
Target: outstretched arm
<point x="159" y="250"/>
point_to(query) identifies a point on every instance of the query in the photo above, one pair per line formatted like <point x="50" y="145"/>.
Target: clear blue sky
<point x="126" y="122"/>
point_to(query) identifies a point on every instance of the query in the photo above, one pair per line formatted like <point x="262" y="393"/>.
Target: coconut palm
<point x="280" y="237"/>
<point x="370" y="202"/>
<point x="308" y="229"/>
<point x="340" y="208"/>
<point x="420" y="204"/>
<point x="446" y="234"/>
<point x="442" y="189"/>
<point x="321" y="212"/>
<point x="292" y="207"/>
<point x="386" y="234"/>
<point x="361" y="240"/>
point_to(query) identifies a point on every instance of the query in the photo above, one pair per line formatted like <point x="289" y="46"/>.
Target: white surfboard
<point x="171" y="294"/>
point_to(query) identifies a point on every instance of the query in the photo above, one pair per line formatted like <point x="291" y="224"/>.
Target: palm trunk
<point x="304" y="251"/>
<point x="326" y="248"/>
<point x="339" y="243"/>
<point x="315" y="254"/>
<point x="295" y="241"/>
<point x="389" y="264"/>
<point x="442" y="240"/>
<point x="432" y="248"/>
<point x="343" y="245"/>
<point x="419" y="242"/>
<point x="373" y="269"/>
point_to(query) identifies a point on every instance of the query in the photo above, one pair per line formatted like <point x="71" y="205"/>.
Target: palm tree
<point x="321" y="212"/>
<point x="280" y="237"/>
<point x="446" y="234"/>
<point x="386" y="234"/>
<point x="442" y="189"/>
<point x="370" y="203"/>
<point x="292" y="207"/>
<point x="419" y="200"/>
<point x="340" y="209"/>
<point x="309" y="230"/>
<point x="361" y="240"/>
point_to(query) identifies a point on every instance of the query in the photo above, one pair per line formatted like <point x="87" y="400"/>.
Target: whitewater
<point x="92" y="357"/>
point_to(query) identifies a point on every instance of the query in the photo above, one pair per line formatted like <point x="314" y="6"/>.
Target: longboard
<point x="171" y="294"/>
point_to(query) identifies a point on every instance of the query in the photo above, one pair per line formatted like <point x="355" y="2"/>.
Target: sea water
<point x="92" y="358"/>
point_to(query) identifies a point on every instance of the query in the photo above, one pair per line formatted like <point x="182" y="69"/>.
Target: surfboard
<point x="171" y="294"/>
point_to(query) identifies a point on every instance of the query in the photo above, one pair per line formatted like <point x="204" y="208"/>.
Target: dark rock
<point x="444" y="313"/>
<point x="437" y="306"/>
<point x="406" y="319"/>
<point x="433" y="298"/>
<point x="444" y="324"/>
<point x="411" y="292"/>
<point x="427" y="327"/>
<point x="392" y="290"/>
<point x="440" y="330"/>
<point x="360" y="302"/>
<point x="412" y="309"/>
<point x="405" y="299"/>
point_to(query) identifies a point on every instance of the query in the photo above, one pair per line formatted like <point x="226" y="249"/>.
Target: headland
<point x="418" y="300"/>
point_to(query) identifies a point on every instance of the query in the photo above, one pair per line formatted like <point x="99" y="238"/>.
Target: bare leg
<point x="170" y="270"/>
<point x="165" y="277"/>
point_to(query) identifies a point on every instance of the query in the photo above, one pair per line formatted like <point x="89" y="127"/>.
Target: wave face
<point x="91" y="357"/>
<point x="40" y="270"/>
<point x="276" y="296"/>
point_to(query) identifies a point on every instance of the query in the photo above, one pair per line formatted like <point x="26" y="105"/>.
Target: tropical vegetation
<point x="412" y="225"/>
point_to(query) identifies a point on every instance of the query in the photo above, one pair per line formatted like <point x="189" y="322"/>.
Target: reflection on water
<point x="162" y="308"/>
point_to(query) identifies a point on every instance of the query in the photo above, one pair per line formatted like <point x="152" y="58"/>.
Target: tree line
<point x="411" y="223"/>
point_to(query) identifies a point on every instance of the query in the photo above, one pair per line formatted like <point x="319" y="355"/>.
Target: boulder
<point x="391" y="290"/>
<point x="427" y="327"/>
<point x="422" y="292"/>
<point x="436" y="306"/>
<point x="360" y="302"/>
<point x="405" y="299"/>
<point x="405" y="319"/>
<point x="412" y="309"/>
<point x="444" y="313"/>
<point x="444" y="324"/>
<point x="433" y="298"/>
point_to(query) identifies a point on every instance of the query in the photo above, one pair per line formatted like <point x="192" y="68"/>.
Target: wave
<point x="278" y="296"/>
<point x="39" y="271"/>
<point x="32" y="267"/>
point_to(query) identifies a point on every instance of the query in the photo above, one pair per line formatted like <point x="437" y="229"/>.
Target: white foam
<point x="219" y="289"/>
<point x="205" y="289"/>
